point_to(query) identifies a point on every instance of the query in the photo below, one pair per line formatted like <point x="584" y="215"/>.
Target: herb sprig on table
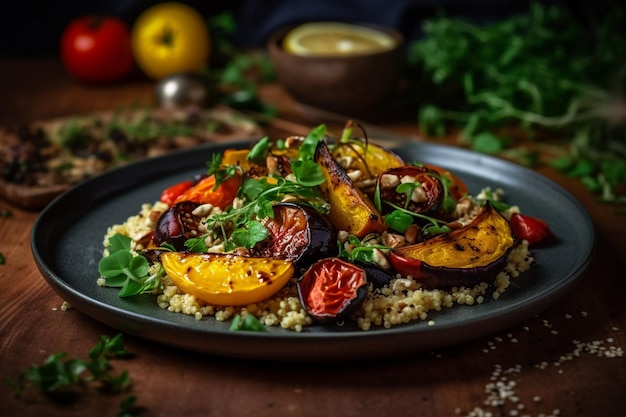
<point x="548" y="74"/>
<point x="59" y="375"/>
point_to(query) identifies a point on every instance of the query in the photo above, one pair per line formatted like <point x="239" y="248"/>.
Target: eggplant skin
<point x="298" y="233"/>
<point x="176" y="224"/>
<point x="464" y="257"/>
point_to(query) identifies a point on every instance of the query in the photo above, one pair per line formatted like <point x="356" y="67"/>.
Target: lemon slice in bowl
<point x="336" y="39"/>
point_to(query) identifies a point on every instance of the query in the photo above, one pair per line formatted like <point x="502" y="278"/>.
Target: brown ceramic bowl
<point x="352" y="85"/>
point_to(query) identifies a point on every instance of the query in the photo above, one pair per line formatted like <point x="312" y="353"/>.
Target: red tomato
<point x="457" y="187"/>
<point x="204" y="193"/>
<point x="332" y="289"/>
<point x="170" y="194"/>
<point x="532" y="229"/>
<point x="97" y="49"/>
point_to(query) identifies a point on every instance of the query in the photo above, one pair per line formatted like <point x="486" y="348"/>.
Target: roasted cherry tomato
<point x="332" y="289"/>
<point x="97" y="49"/>
<point x="224" y="279"/>
<point x="204" y="192"/>
<point x="532" y="229"/>
<point x="170" y="194"/>
<point x="411" y="187"/>
<point x="456" y="186"/>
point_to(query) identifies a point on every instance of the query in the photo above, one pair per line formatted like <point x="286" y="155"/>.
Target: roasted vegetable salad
<point x="309" y="230"/>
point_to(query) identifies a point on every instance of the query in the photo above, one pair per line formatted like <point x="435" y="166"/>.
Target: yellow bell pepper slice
<point x="225" y="279"/>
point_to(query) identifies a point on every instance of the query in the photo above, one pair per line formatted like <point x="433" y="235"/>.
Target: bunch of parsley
<point x="552" y="72"/>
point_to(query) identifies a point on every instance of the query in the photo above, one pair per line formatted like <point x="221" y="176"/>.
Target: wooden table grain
<point x="566" y="361"/>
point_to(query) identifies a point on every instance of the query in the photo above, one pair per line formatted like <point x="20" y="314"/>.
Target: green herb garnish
<point x="307" y="148"/>
<point x="59" y="373"/>
<point x="261" y="195"/>
<point x="127" y="269"/>
<point x="361" y="250"/>
<point x="221" y="172"/>
<point x="247" y="322"/>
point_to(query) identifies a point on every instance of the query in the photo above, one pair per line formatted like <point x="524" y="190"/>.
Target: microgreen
<point x="360" y="250"/>
<point x="308" y="146"/>
<point x="260" y="195"/>
<point x="195" y="244"/>
<point x="433" y="226"/>
<point x="247" y="322"/>
<point x="399" y="220"/>
<point x="126" y="269"/>
<point x="250" y="235"/>
<point x="219" y="171"/>
<point x="494" y="199"/>
<point x="307" y="172"/>
<point x="259" y="151"/>
<point x="449" y="202"/>
<point x="407" y="189"/>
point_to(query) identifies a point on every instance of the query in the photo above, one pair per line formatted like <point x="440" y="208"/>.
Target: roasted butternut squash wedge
<point x="371" y="159"/>
<point x="227" y="280"/>
<point x="350" y="209"/>
<point x="466" y="256"/>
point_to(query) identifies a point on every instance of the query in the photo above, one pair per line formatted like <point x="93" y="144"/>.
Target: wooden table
<point x="567" y="361"/>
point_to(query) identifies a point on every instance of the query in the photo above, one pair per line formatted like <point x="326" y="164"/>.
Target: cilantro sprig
<point x="126" y="269"/>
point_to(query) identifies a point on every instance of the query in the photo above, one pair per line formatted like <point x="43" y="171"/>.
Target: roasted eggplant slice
<point x="298" y="233"/>
<point x="177" y="224"/>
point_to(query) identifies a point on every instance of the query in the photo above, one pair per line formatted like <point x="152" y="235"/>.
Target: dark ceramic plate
<point x="67" y="245"/>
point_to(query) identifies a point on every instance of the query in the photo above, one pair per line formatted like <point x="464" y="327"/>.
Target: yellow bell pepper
<point x="226" y="279"/>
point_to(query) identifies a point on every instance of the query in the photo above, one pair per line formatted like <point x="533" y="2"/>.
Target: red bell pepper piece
<point x="532" y="229"/>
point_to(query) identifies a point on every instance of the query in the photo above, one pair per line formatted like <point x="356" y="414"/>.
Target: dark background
<point x="35" y="27"/>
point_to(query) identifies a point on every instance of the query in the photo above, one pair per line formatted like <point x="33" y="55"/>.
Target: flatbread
<point x="43" y="159"/>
